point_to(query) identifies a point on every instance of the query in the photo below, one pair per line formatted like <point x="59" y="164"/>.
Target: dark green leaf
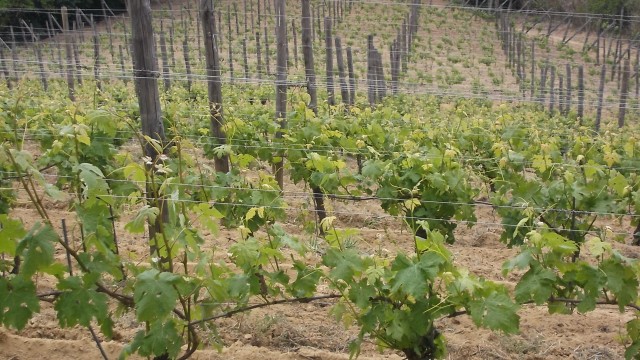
<point x="154" y="294"/>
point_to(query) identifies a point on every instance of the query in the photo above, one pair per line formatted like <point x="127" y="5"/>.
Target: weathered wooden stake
<point x="214" y="82"/>
<point x="638" y="72"/>
<point x="533" y="68"/>
<point x="259" y="53"/>
<point x="329" y="61"/>
<point x="229" y="34"/>
<point x="370" y="72"/>
<point x="624" y="93"/>
<point x="307" y="53"/>
<point x="145" y="74"/>
<point x="352" y="77"/>
<point x="266" y="50"/>
<point x="603" y="79"/>
<point x="580" y="93"/>
<point x="198" y="42"/>
<point x="123" y="72"/>
<point x="187" y="62"/>
<point x="245" y="23"/>
<point x="560" y="93"/>
<point x="568" y="98"/>
<point x="76" y="57"/>
<point x="295" y="42"/>
<point x="552" y="94"/>
<point x="245" y="59"/>
<point x="344" y="86"/>
<point x="96" y="56"/>
<point x="235" y="14"/>
<point x="281" y="85"/>
<point x="69" y="64"/>
<point x="253" y="23"/>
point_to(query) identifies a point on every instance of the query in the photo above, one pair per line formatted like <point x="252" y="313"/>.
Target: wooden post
<point x="313" y="27"/>
<point x="258" y="53"/>
<point x="246" y="25"/>
<point x="580" y="93"/>
<point x="344" y="87"/>
<point x="235" y="13"/>
<point x="266" y="50"/>
<point x="307" y="53"/>
<point x="187" y="62"/>
<point x="638" y="72"/>
<point x="352" y="78"/>
<point x="214" y="82"/>
<point x="600" y="96"/>
<point x="172" y="50"/>
<point x="76" y="57"/>
<point x="259" y="16"/>
<point x="552" y="94"/>
<point x="624" y="92"/>
<point x="615" y="61"/>
<point x="229" y="34"/>
<point x="245" y="59"/>
<point x="403" y="46"/>
<point x="218" y="33"/>
<point x="123" y="72"/>
<point x="96" y="55"/>
<point x="598" y="46"/>
<point x="295" y="43"/>
<point x="382" y="86"/>
<point x="253" y="23"/>
<point x="543" y="83"/>
<point x="198" y="42"/>
<point x="281" y="85"/>
<point x="560" y="93"/>
<point x="533" y="68"/>
<point x="329" y="61"/>
<point x="319" y="23"/>
<point x="146" y="83"/>
<point x="568" y="98"/>
<point x="165" y="60"/>
<point x="69" y="64"/>
<point x="370" y="72"/>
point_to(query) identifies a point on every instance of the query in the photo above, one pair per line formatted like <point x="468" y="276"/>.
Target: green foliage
<point x="431" y="162"/>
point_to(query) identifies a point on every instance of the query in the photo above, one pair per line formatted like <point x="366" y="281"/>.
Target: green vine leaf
<point x="536" y="284"/>
<point x="37" y="249"/>
<point x="496" y="312"/>
<point x="147" y="213"/>
<point x="18" y="301"/>
<point x="413" y="277"/>
<point x="11" y="231"/>
<point x="155" y="295"/>
<point x="162" y="338"/>
<point x="79" y="303"/>
<point x="622" y="281"/>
